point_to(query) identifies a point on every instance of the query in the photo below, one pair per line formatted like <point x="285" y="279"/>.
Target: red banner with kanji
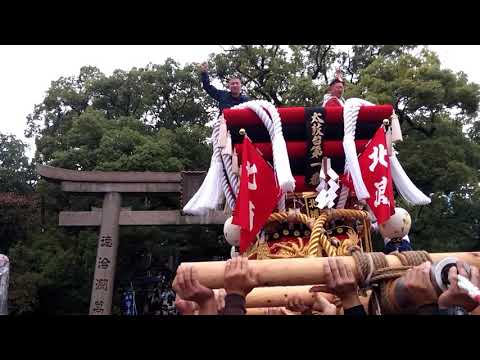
<point x="258" y="194"/>
<point x="375" y="167"/>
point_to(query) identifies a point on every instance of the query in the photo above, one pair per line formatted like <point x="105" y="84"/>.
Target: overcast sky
<point x="27" y="71"/>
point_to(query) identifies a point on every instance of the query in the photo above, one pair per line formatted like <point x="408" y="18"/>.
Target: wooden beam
<point x="59" y="174"/>
<point x="301" y="271"/>
<point x="71" y="186"/>
<point x="276" y="296"/>
<point x="80" y="218"/>
<point x="130" y="218"/>
<point x="264" y="310"/>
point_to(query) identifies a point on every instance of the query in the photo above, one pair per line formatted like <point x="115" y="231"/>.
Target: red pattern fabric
<point x="298" y="149"/>
<point x="375" y="167"/>
<point x="258" y="195"/>
<point x="296" y="115"/>
<point x="333" y="102"/>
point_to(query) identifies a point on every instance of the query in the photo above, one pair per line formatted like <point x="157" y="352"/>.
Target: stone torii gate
<point x="112" y="184"/>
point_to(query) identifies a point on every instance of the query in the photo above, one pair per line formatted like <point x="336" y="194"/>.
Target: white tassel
<point x="228" y="146"/>
<point x="353" y="167"/>
<point x="350" y="115"/>
<point x="271" y="119"/>
<point x="405" y="186"/>
<point x="222" y="136"/>
<point x="210" y="193"/>
<point x="396" y="129"/>
<point x="282" y="165"/>
<point x="279" y="149"/>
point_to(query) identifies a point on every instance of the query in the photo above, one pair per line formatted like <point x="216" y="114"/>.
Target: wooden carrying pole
<point x="300" y="271"/>
<point x="277" y="296"/>
<point x="263" y="309"/>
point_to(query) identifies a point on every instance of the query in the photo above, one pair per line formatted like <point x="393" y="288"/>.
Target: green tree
<point x="420" y="90"/>
<point x="81" y="117"/>
<point x="148" y="119"/>
<point x="445" y="166"/>
<point x="16" y="172"/>
<point x="153" y="118"/>
<point x="18" y="204"/>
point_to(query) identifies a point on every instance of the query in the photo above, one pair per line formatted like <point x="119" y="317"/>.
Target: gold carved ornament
<point x="319" y="240"/>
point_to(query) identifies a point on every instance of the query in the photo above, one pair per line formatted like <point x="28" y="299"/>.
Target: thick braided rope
<point x="350" y="115"/>
<point x="313" y="248"/>
<point x="232" y="178"/>
<point x="319" y="240"/>
<point x="338" y="213"/>
<point x="268" y="114"/>
<point x="343" y="197"/>
<point x="413" y="258"/>
<point x="228" y="192"/>
<point x="386" y="288"/>
<point x="282" y="216"/>
<point x="217" y="153"/>
<point x="373" y="267"/>
<point x="356" y="214"/>
<point x="227" y="163"/>
<point x="362" y="264"/>
<point x="279" y="149"/>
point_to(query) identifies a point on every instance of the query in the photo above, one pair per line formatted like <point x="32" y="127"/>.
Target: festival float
<point x="306" y="183"/>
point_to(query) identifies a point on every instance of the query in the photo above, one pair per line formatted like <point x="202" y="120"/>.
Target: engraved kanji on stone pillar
<point x="104" y="276"/>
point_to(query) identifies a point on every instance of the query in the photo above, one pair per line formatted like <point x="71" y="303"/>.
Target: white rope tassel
<point x="271" y="119"/>
<point x="396" y="128"/>
<point x="210" y="193"/>
<point x="227" y="192"/>
<point x="404" y="185"/>
<point x="222" y="133"/>
<point x="350" y="115"/>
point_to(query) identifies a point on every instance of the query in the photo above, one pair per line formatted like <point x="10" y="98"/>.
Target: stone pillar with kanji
<point x="104" y="276"/>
